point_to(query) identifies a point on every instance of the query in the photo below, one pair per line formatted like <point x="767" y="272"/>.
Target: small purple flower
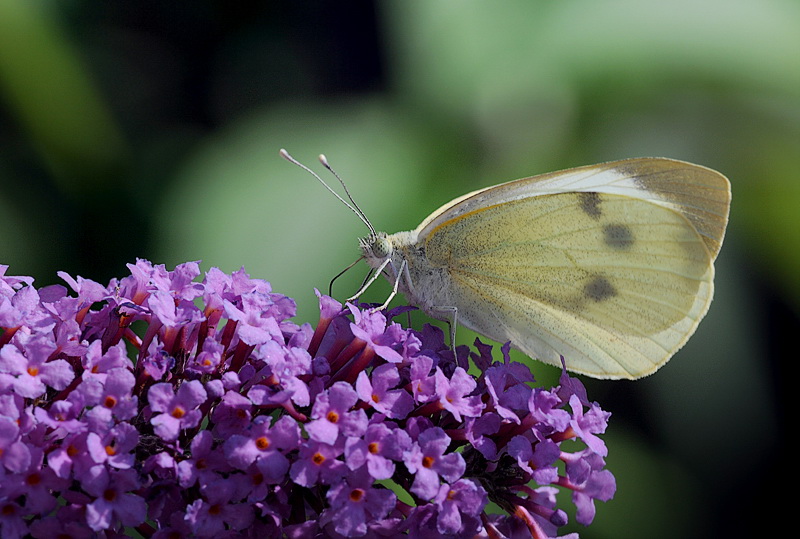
<point x="113" y="500"/>
<point x="460" y="505"/>
<point x="90" y="291"/>
<point x="428" y="462"/>
<point x="157" y="362"/>
<point x="355" y="502"/>
<point x="379" y="447"/>
<point x="63" y="417"/>
<point x="114" y="447"/>
<point x="317" y="463"/>
<point x="179" y="282"/>
<point x="14" y="454"/>
<point x="332" y="415"/>
<point x="371" y="328"/>
<point x="97" y="362"/>
<point x="423" y="383"/>
<point x="479" y="433"/>
<point x="379" y="392"/>
<point x="208" y="359"/>
<point x="32" y="372"/>
<point x="264" y="442"/>
<point x="588" y="425"/>
<point x="589" y="482"/>
<point x="178" y="409"/>
<point x="537" y="459"/>
<point x="546" y="414"/>
<point x="71" y="457"/>
<point x="255" y="324"/>
<point x="22" y="306"/>
<point x="210" y="515"/>
<point x="12" y="523"/>
<point x="286" y="365"/>
<point x="204" y="464"/>
<point x="454" y="393"/>
<point x="164" y="308"/>
<point x="507" y="384"/>
<point x="111" y="394"/>
<point x="232" y="415"/>
<point x="36" y="482"/>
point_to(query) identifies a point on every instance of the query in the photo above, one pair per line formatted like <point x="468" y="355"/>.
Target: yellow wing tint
<point x="615" y="284"/>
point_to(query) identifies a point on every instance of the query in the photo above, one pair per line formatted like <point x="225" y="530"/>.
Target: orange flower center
<point x="33" y="479"/>
<point x="178" y="412"/>
<point x="356" y="494"/>
<point x="428" y="461"/>
<point x="262" y="443"/>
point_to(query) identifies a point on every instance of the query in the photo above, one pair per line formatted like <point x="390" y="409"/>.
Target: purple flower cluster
<point x="179" y="408"/>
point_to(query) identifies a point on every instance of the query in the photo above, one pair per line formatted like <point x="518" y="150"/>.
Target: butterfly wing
<point x="700" y="194"/>
<point x="614" y="283"/>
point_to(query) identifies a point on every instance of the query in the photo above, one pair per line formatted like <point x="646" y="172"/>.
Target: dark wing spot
<point x="599" y="289"/>
<point x="618" y="236"/>
<point x="590" y="204"/>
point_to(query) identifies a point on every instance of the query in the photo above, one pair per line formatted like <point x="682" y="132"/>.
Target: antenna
<point x="324" y="161"/>
<point x="352" y="204"/>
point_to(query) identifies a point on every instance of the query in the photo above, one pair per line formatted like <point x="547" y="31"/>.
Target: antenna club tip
<point x="283" y="153"/>
<point x="323" y="160"/>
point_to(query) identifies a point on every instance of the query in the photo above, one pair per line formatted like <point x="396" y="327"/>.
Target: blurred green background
<point x="151" y="129"/>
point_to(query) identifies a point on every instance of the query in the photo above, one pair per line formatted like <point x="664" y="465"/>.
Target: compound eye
<point x="381" y="247"/>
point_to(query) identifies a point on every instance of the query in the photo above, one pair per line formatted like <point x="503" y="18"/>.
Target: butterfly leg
<point x="403" y="269"/>
<point x="449" y="315"/>
<point x="330" y="285"/>
<point x="372" y="280"/>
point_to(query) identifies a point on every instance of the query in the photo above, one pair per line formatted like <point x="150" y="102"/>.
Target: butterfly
<point x="610" y="266"/>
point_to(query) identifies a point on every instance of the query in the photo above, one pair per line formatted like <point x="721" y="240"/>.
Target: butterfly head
<point x="376" y="248"/>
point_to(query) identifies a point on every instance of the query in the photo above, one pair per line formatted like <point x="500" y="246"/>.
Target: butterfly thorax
<point x="403" y="259"/>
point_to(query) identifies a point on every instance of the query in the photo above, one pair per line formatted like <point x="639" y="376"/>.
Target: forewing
<point x="614" y="283"/>
<point x="698" y="193"/>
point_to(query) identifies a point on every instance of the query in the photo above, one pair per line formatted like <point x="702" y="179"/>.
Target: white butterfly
<point x="609" y="265"/>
